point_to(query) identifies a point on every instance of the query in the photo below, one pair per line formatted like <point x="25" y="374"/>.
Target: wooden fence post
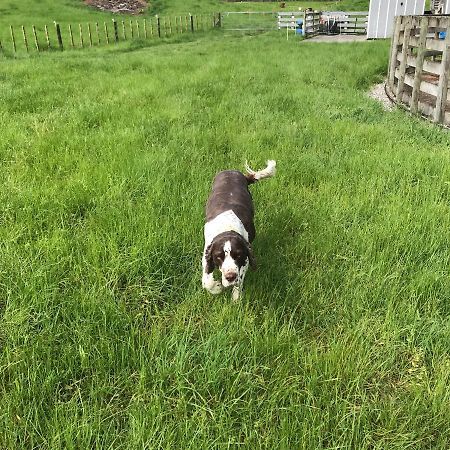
<point x="219" y="20"/>
<point x="81" y="35"/>
<point x="151" y="28"/>
<point x="158" y="25"/>
<point x="25" y="40"/>
<point x="36" y="42"/>
<point x="192" y="22"/>
<point x="89" y="34"/>
<point x="145" y="29"/>
<point x="124" y="33"/>
<point x="59" y="37"/>
<point x="394" y="51"/>
<point x="304" y="24"/>
<point x="138" y="31"/>
<point x="106" y="32"/>
<point x="13" y="39"/>
<point x="405" y="52"/>
<point x="131" y="29"/>
<point x="47" y="37"/>
<point x="422" y="48"/>
<point x="98" y="33"/>
<point x="116" y="31"/>
<point x="71" y="36"/>
<point x="441" y="99"/>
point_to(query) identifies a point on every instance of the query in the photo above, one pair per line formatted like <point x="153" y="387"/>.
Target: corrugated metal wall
<point x="383" y="12"/>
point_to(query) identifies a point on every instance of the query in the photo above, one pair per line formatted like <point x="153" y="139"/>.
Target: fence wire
<point x="249" y="21"/>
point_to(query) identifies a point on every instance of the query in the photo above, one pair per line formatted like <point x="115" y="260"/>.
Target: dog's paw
<point x="236" y="294"/>
<point x="216" y="288"/>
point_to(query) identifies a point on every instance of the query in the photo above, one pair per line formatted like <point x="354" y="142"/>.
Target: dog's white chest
<point x="226" y="221"/>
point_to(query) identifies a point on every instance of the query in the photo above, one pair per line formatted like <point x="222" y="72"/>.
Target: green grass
<point x="107" y="339"/>
<point x="29" y="13"/>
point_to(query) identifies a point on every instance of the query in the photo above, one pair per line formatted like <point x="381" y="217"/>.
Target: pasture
<point x="106" y="338"/>
<point x="30" y="12"/>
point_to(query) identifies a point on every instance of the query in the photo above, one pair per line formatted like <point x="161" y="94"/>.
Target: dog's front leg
<point x="237" y="291"/>
<point x="210" y="284"/>
<point x="237" y="288"/>
<point x="208" y="281"/>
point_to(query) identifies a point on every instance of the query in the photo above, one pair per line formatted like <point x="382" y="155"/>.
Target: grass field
<point x="29" y="13"/>
<point x="65" y="12"/>
<point x="107" y="339"/>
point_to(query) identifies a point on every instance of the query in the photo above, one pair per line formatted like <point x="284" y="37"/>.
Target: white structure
<point x="383" y="12"/>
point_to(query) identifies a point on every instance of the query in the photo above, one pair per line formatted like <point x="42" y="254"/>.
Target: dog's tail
<point x="269" y="171"/>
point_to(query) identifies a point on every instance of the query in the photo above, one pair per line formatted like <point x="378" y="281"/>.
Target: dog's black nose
<point x="231" y="276"/>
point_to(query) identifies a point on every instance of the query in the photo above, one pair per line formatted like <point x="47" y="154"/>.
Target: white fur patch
<point x="226" y="221"/>
<point x="208" y="281"/>
<point x="229" y="266"/>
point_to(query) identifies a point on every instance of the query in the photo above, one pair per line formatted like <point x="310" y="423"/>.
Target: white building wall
<point x="382" y="13"/>
<point x="446" y="6"/>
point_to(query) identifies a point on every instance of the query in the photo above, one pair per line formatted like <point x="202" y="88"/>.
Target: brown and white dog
<point x="229" y="229"/>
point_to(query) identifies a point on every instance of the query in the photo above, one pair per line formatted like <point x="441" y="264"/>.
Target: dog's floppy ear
<point x="209" y="259"/>
<point x="251" y="256"/>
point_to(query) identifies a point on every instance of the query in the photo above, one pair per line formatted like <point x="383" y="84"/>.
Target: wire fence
<point x="33" y="39"/>
<point x="249" y="21"/>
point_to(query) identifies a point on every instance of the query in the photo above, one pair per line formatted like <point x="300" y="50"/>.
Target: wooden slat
<point x="441" y="99"/>
<point x="432" y="44"/>
<point x="435" y="21"/>
<point x="428" y="66"/>
<point x="402" y="69"/>
<point x="419" y="63"/>
<point x="425" y="86"/>
<point x="394" y="52"/>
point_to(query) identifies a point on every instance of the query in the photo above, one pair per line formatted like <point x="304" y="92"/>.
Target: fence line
<point x="312" y="23"/>
<point x="62" y="40"/>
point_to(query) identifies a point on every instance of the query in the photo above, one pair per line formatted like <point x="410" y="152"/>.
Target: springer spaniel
<point x="229" y="229"/>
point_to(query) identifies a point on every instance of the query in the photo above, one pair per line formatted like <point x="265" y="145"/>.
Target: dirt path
<point x="337" y="38"/>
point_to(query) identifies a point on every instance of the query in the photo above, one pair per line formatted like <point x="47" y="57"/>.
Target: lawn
<point x="107" y="339"/>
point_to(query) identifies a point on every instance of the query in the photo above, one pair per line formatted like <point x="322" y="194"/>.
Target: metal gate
<point x="249" y="21"/>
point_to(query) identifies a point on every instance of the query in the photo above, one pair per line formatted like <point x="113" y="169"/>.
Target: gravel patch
<point x="378" y="93"/>
<point x="337" y="38"/>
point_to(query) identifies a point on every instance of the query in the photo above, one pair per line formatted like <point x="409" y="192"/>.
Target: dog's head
<point x="231" y="254"/>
